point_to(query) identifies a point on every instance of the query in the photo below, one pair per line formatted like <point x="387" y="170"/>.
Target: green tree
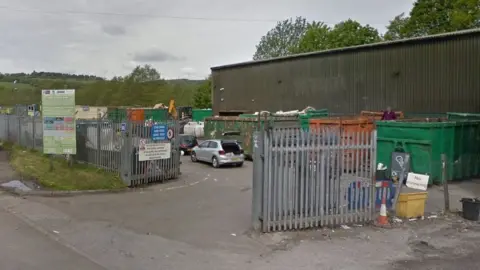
<point x="282" y="40"/>
<point x="203" y="95"/>
<point x="144" y="73"/>
<point x="117" y="79"/>
<point x="466" y="14"/>
<point x="344" y="34"/>
<point x="142" y="87"/>
<point x="316" y="38"/>
<point x="429" y="17"/>
<point x="352" y="33"/>
<point x="396" y="28"/>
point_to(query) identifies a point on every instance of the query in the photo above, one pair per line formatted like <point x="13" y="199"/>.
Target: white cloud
<point x="110" y="37"/>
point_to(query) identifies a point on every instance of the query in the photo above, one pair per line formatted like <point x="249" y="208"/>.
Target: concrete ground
<point x="24" y="248"/>
<point x="457" y="191"/>
<point x="6" y="172"/>
<point x="202" y="221"/>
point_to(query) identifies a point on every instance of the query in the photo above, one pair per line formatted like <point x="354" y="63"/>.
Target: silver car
<point x="218" y="153"/>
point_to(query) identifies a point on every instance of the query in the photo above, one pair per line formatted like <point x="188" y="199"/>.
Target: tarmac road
<point x="449" y="262"/>
<point x="24" y="248"/>
<point x="201" y="221"/>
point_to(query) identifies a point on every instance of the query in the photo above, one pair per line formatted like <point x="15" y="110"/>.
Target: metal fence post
<point x="2" y="137"/>
<point x="257" y="184"/>
<point x="177" y="148"/>
<point x="19" y="134"/>
<point x="98" y="148"/>
<point x="373" y="168"/>
<point x="446" y="194"/>
<point x="266" y="185"/>
<point x="8" y="128"/>
<point x="33" y="130"/>
<point x="126" y="154"/>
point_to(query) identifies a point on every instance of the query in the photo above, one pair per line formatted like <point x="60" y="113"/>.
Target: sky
<point x="181" y="38"/>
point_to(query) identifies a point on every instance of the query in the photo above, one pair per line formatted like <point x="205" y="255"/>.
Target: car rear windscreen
<point x="187" y="140"/>
<point x="231" y="148"/>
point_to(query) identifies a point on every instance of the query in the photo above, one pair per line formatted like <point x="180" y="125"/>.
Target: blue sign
<point x="124" y="126"/>
<point x="159" y="132"/>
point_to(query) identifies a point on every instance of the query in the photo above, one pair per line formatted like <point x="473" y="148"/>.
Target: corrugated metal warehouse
<point x="433" y="74"/>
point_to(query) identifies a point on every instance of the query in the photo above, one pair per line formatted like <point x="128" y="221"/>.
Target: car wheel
<point x="240" y="164"/>
<point x="193" y="156"/>
<point x="215" y="163"/>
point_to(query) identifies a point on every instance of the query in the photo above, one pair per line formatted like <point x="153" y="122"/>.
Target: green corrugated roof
<point x="475" y="31"/>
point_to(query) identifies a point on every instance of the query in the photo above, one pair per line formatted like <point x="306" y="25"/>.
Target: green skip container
<point x="463" y="116"/>
<point x="199" y="115"/>
<point x="156" y="115"/>
<point x="467" y="149"/>
<point x="426" y="140"/>
<point x="313" y="114"/>
<point x="242" y="129"/>
<point x="117" y="115"/>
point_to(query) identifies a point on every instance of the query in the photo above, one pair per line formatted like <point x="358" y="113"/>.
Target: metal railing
<point x="304" y="179"/>
<point x="114" y="147"/>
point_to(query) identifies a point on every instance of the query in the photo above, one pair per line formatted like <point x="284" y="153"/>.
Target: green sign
<point x="58" y="112"/>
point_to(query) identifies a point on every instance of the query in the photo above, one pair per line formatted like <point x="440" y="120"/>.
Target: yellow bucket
<point x="411" y="205"/>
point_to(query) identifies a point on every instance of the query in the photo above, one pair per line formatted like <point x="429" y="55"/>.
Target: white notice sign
<point x="417" y="181"/>
<point x="154" y="151"/>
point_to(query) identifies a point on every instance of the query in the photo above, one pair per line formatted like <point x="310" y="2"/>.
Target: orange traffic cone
<point x="383" y="219"/>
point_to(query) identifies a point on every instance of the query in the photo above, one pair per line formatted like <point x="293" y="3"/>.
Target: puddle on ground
<point x="21" y="185"/>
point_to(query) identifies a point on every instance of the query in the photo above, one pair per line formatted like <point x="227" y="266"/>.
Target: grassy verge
<point x="35" y="165"/>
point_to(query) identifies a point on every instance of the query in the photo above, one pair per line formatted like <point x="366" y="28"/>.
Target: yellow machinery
<point x="172" y="110"/>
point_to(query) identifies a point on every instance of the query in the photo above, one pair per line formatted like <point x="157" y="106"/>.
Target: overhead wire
<point x="149" y="15"/>
<point x="121" y="14"/>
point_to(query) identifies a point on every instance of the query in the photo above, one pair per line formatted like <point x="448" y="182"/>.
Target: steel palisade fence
<point x="103" y="143"/>
<point x="305" y="179"/>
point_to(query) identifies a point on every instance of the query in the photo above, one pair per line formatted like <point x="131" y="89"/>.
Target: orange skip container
<point x="136" y="114"/>
<point x="378" y="115"/>
<point x="352" y="131"/>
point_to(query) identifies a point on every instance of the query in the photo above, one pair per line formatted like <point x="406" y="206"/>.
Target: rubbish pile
<point x="288" y="113"/>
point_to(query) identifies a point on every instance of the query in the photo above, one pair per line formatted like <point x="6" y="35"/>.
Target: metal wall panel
<point x="421" y="76"/>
